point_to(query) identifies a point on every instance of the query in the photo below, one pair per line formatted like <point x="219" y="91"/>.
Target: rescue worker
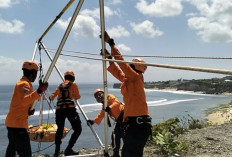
<point x="65" y="108"/>
<point x="115" y="110"/>
<point x="19" y="110"/>
<point x="137" y="122"/>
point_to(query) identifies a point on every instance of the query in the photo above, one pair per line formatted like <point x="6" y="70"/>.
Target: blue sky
<point x="139" y="27"/>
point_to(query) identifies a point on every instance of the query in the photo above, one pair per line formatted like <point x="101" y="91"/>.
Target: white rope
<point x="149" y="56"/>
<point x="200" y="69"/>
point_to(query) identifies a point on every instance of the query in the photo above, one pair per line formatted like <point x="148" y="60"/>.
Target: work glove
<point x="107" y="109"/>
<point x="90" y="122"/>
<point x="108" y="40"/>
<point x="42" y="87"/>
<point x="108" y="56"/>
<point x="31" y="112"/>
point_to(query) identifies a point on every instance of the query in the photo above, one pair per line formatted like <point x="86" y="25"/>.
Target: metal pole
<point x="49" y="56"/>
<point x="71" y="23"/>
<point x="61" y="45"/>
<point x="33" y="55"/>
<point x="101" y="3"/>
<point x="76" y="102"/>
<point x="57" y="17"/>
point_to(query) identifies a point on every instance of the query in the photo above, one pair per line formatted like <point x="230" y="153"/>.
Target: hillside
<point x="206" y="86"/>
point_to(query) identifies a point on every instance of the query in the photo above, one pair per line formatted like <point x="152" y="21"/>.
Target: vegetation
<point x="221" y="107"/>
<point x="207" y="86"/>
<point x="164" y="134"/>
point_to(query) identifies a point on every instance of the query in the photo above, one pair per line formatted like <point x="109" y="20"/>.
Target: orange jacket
<point x="132" y="87"/>
<point x="73" y="92"/>
<point x="23" y="97"/>
<point x="115" y="109"/>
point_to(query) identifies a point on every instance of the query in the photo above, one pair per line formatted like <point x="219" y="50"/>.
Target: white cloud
<point x="117" y="32"/>
<point x="5" y="3"/>
<point x="160" y="8"/>
<point x="14" y="27"/>
<point x="146" y="28"/>
<point x="9" y="3"/>
<point x="84" y="71"/>
<point x="95" y="13"/>
<point x="116" y="1"/>
<point x="123" y="48"/>
<point x="210" y="31"/>
<point x="11" y="70"/>
<point x="84" y="25"/>
<point x="214" y="22"/>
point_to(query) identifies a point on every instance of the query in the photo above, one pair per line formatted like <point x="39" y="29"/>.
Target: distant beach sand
<point x="220" y="117"/>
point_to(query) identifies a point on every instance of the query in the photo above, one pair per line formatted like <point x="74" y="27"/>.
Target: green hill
<point x="207" y="86"/>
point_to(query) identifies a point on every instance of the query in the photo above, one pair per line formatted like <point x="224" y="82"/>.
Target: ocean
<point x="162" y="106"/>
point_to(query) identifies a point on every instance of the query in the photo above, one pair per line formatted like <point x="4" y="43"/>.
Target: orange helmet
<point x="98" y="90"/>
<point x="30" y="65"/>
<point x="69" y="72"/>
<point x="138" y="67"/>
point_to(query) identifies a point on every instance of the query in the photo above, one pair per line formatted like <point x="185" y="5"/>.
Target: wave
<point x="88" y="108"/>
<point x="171" y="102"/>
<point x="183" y="92"/>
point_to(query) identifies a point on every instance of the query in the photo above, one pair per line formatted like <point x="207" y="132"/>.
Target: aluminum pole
<point x="57" y="17"/>
<point x="34" y="52"/>
<point x="71" y="23"/>
<point x="101" y="3"/>
<point x="76" y="102"/>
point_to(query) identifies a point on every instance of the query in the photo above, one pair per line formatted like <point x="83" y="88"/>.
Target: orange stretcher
<point x="44" y="133"/>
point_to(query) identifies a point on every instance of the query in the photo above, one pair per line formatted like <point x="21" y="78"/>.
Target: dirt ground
<point x="212" y="141"/>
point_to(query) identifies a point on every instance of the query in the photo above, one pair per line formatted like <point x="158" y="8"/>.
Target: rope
<point x="200" y="69"/>
<point x="148" y="56"/>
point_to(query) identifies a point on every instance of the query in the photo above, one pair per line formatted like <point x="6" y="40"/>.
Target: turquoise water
<point x="162" y="105"/>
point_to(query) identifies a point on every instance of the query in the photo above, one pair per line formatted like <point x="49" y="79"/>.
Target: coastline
<point x="215" y="119"/>
<point x="175" y="90"/>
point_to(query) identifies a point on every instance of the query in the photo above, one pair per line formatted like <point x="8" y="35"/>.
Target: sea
<point x="162" y="106"/>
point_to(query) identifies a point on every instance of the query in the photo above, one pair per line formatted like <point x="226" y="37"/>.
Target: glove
<point x="42" y="87"/>
<point x="108" y="56"/>
<point x="31" y="112"/>
<point x="90" y="122"/>
<point x="107" y="109"/>
<point x="109" y="40"/>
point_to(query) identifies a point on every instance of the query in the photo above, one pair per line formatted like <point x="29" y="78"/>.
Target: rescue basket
<point x="44" y="133"/>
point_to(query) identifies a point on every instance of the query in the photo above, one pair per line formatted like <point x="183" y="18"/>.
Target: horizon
<point x="139" y="28"/>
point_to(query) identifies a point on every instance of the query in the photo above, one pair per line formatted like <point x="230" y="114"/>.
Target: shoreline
<point x="175" y="90"/>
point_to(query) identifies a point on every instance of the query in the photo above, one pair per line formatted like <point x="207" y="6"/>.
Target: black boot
<point x="69" y="152"/>
<point x="57" y="151"/>
<point x="116" y="153"/>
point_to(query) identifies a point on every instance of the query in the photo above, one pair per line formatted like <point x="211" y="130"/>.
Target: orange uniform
<point x="73" y="92"/>
<point x="23" y="97"/>
<point x="115" y="109"/>
<point x="132" y="87"/>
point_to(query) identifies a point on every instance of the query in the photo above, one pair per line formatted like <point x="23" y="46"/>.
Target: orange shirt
<point x="73" y="92"/>
<point x="132" y="87"/>
<point x="23" y="97"/>
<point x="115" y="109"/>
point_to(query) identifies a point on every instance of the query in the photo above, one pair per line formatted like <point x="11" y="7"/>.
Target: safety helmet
<point x="30" y="65"/>
<point x="138" y="67"/>
<point x="98" y="90"/>
<point x="69" y="72"/>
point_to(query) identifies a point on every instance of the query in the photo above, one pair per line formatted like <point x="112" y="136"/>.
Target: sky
<point x="138" y="27"/>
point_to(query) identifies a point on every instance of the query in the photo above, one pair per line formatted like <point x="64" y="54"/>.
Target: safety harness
<point x="64" y="100"/>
